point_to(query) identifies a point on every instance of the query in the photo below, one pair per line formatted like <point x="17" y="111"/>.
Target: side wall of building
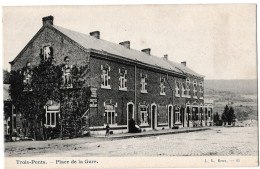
<point x="61" y="46"/>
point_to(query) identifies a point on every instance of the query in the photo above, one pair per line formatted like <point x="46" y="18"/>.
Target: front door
<point x="153" y="116"/>
<point x="130" y="111"/>
<point x="170" y="116"/>
<point x="188" y="116"/>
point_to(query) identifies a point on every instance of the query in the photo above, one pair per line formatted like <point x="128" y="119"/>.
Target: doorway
<point x="153" y="116"/>
<point x="170" y="116"/>
<point x="188" y="116"/>
<point x="130" y="116"/>
<point x="130" y="110"/>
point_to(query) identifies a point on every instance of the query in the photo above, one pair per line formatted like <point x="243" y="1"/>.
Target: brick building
<point x="125" y="83"/>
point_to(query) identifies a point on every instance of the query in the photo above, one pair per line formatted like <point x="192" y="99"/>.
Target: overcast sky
<point x="218" y="41"/>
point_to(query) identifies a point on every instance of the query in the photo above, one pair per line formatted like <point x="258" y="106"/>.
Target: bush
<point x="219" y="123"/>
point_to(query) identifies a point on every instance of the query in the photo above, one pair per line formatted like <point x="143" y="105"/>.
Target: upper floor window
<point x="201" y="90"/>
<point x="122" y="79"/>
<point x="162" y="85"/>
<point x="195" y="93"/>
<point x="143" y="83"/>
<point x="105" y="76"/>
<point x="27" y="78"/>
<point x="66" y="74"/>
<point x="183" y="90"/>
<point x="177" y="89"/>
<point x="187" y="87"/>
<point x="46" y="52"/>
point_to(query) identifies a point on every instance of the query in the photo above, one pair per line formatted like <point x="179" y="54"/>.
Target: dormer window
<point x="201" y="90"/>
<point x="105" y="76"/>
<point x="143" y="83"/>
<point x="195" y="93"/>
<point x="122" y="79"/>
<point x="177" y="89"/>
<point x="162" y="85"/>
<point x="188" y="87"/>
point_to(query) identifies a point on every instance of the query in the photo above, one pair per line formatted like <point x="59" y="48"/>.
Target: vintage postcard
<point x="130" y="86"/>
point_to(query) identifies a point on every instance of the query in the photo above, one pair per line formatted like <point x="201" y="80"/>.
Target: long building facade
<point x="125" y="83"/>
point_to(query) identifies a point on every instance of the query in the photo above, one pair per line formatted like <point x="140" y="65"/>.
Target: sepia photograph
<point x="83" y="85"/>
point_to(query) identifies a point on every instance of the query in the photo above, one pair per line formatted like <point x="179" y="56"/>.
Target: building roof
<point x="185" y="69"/>
<point x="7" y="96"/>
<point x="90" y="42"/>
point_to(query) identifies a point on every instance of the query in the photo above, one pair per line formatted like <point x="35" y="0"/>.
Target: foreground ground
<point x="219" y="141"/>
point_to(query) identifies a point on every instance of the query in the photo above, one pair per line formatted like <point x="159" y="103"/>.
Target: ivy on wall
<point x="46" y="84"/>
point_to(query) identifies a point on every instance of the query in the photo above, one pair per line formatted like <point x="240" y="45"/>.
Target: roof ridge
<point x="114" y="43"/>
<point x="86" y="41"/>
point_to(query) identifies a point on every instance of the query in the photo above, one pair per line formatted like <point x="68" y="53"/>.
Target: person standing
<point x="107" y="130"/>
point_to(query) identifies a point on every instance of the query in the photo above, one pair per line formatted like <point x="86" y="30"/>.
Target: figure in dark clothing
<point x="107" y="130"/>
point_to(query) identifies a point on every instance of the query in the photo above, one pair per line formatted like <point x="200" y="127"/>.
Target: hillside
<point x="234" y="86"/>
<point x="240" y="94"/>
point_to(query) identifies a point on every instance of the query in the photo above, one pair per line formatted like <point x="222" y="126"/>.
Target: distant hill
<point x="233" y="86"/>
<point x="240" y="94"/>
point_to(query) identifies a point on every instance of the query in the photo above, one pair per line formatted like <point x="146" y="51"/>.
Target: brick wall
<point x="61" y="47"/>
<point x="121" y="98"/>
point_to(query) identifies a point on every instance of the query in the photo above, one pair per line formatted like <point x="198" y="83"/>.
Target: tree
<point x="216" y="117"/>
<point x="46" y="84"/>
<point x="231" y="115"/>
<point x="228" y="114"/>
<point x="225" y="114"/>
<point x="6" y="76"/>
<point x="242" y="115"/>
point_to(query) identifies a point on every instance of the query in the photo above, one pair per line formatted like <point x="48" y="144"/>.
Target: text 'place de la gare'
<point x="125" y="85"/>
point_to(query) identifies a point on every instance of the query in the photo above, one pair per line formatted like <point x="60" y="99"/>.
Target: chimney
<point x="125" y="44"/>
<point x="165" y="57"/>
<point x="147" y="51"/>
<point x="48" y="20"/>
<point x="183" y="63"/>
<point x="95" y="34"/>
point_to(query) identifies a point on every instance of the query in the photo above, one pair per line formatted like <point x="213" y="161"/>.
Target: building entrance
<point x="153" y="116"/>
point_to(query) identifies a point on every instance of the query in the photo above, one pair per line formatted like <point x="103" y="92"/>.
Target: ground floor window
<point x="110" y="117"/>
<point x="52" y="118"/>
<point x="144" y="114"/>
<point x="209" y="114"/>
<point x="177" y="115"/>
<point x="52" y="113"/>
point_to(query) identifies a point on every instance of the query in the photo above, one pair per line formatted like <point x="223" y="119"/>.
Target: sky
<point x="217" y="41"/>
